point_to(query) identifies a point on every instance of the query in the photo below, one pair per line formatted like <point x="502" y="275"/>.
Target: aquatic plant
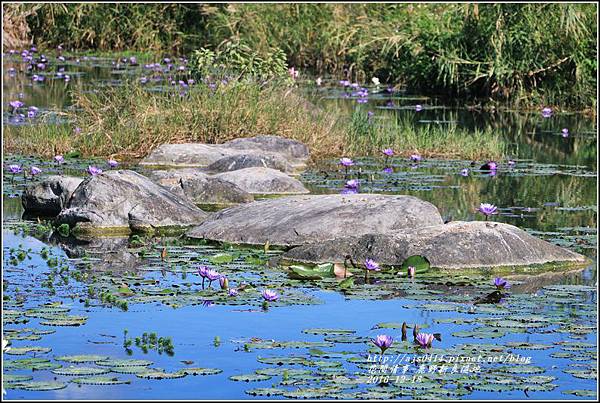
<point x="546" y="112"/>
<point x="501" y="283"/>
<point x="487" y="209"/>
<point x="92" y="170"/>
<point x="415" y="157"/>
<point x="383" y="341"/>
<point x="112" y="163"/>
<point x="269" y="295"/>
<point x="352" y="184"/>
<point x="59" y="159"/>
<point x="35" y="171"/>
<point x="424" y="339"/>
<point x="212" y="275"/>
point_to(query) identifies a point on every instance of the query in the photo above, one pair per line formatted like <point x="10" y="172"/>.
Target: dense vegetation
<point x="527" y="54"/>
<point x="128" y="121"/>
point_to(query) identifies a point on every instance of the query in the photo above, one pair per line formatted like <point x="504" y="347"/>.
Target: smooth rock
<point x="241" y="161"/>
<point x="202" y="155"/>
<point x="292" y="149"/>
<point x="49" y="196"/>
<point x="121" y="201"/>
<point x="454" y="245"/>
<point x="263" y="181"/>
<point x="201" y="188"/>
<point x="297" y="220"/>
<point x="185" y="155"/>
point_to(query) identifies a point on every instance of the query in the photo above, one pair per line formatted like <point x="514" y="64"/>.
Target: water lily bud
<point x="224" y="283"/>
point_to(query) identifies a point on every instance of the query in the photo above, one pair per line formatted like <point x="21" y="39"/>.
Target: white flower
<point x="375" y="80"/>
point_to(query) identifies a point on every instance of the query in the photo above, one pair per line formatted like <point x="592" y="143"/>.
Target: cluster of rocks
<point x="313" y="228"/>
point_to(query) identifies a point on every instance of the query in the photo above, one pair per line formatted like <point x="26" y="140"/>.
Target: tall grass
<point x="130" y="120"/>
<point x="525" y="54"/>
<point x="432" y="140"/>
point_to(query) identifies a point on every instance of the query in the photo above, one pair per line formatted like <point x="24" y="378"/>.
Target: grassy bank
<point x="129" y="121"/>
<point x="522" y="54"/>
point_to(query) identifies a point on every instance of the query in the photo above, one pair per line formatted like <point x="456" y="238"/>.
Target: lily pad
<point x="38" y="386"/>
<point x="124" y="363"/>
<point x="79" y="359"/>
<point x="80" y="371"/>
<point x="100" y="380"/>
<point x="250" y="378"/>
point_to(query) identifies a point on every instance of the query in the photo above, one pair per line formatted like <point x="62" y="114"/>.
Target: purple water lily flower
<point x="362" y="100"/>
<point x="418" y="108"/>
<point x="487" y="209"/>
<point x="565" y="132"/>
<point x="16" y="104"/>
<point x="346" y="162"/>
<point x="212" y="275"/>
<point x="388" y="170"/>
<point x="35" y="171"/>
<point x="94" y="170"/>
<point x="415" y="158"/>
<point x="546" y="112"/>
<point x="352" y="184"/>
<point x="270" y="295"/>
<point x="112" y="163"/>
<point x="425" y="339"/>
<point x="202" y="270"/>
<point x="501" y="283"/>
<point x="232" y="292"/>
<point x="15" y="169"/>
<point x="383" y="341"/>
<point x="370" y="264"/>
<point x="464" y="172"/>
<point x="59" y="159"/>
<point x="388" y="152"/>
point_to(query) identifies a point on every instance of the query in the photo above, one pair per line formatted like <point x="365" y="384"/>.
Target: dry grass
<point x="129" y="121"/>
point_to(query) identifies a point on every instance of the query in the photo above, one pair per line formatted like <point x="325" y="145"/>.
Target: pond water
<point x="65" y="299"/>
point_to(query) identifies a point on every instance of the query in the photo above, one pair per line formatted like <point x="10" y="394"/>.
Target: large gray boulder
<point x="241" y="161"/>
<point x="201" y="188"/>
<point x="297" y="220"/>
<point x="454" y="245"/>
<point x="185" y="155"/>
<point x="122" y="201"/>
<point x="263" y="181"/>
<point x="202" y="155"/>
<point x="49" y="196"/>
<point x="294" y="151"/>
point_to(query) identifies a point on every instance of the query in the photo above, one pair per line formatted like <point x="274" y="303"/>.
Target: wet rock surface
<point x="297" y="220"/>
<point x="49" y="196"/>
<point x="123" y="201"/>
<point x="272" y="148"/>
<point x="457" y="244"/>
<point x="201" y="188"/>
<point x="263" y="181"/>
<point x="241" y="161"/>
